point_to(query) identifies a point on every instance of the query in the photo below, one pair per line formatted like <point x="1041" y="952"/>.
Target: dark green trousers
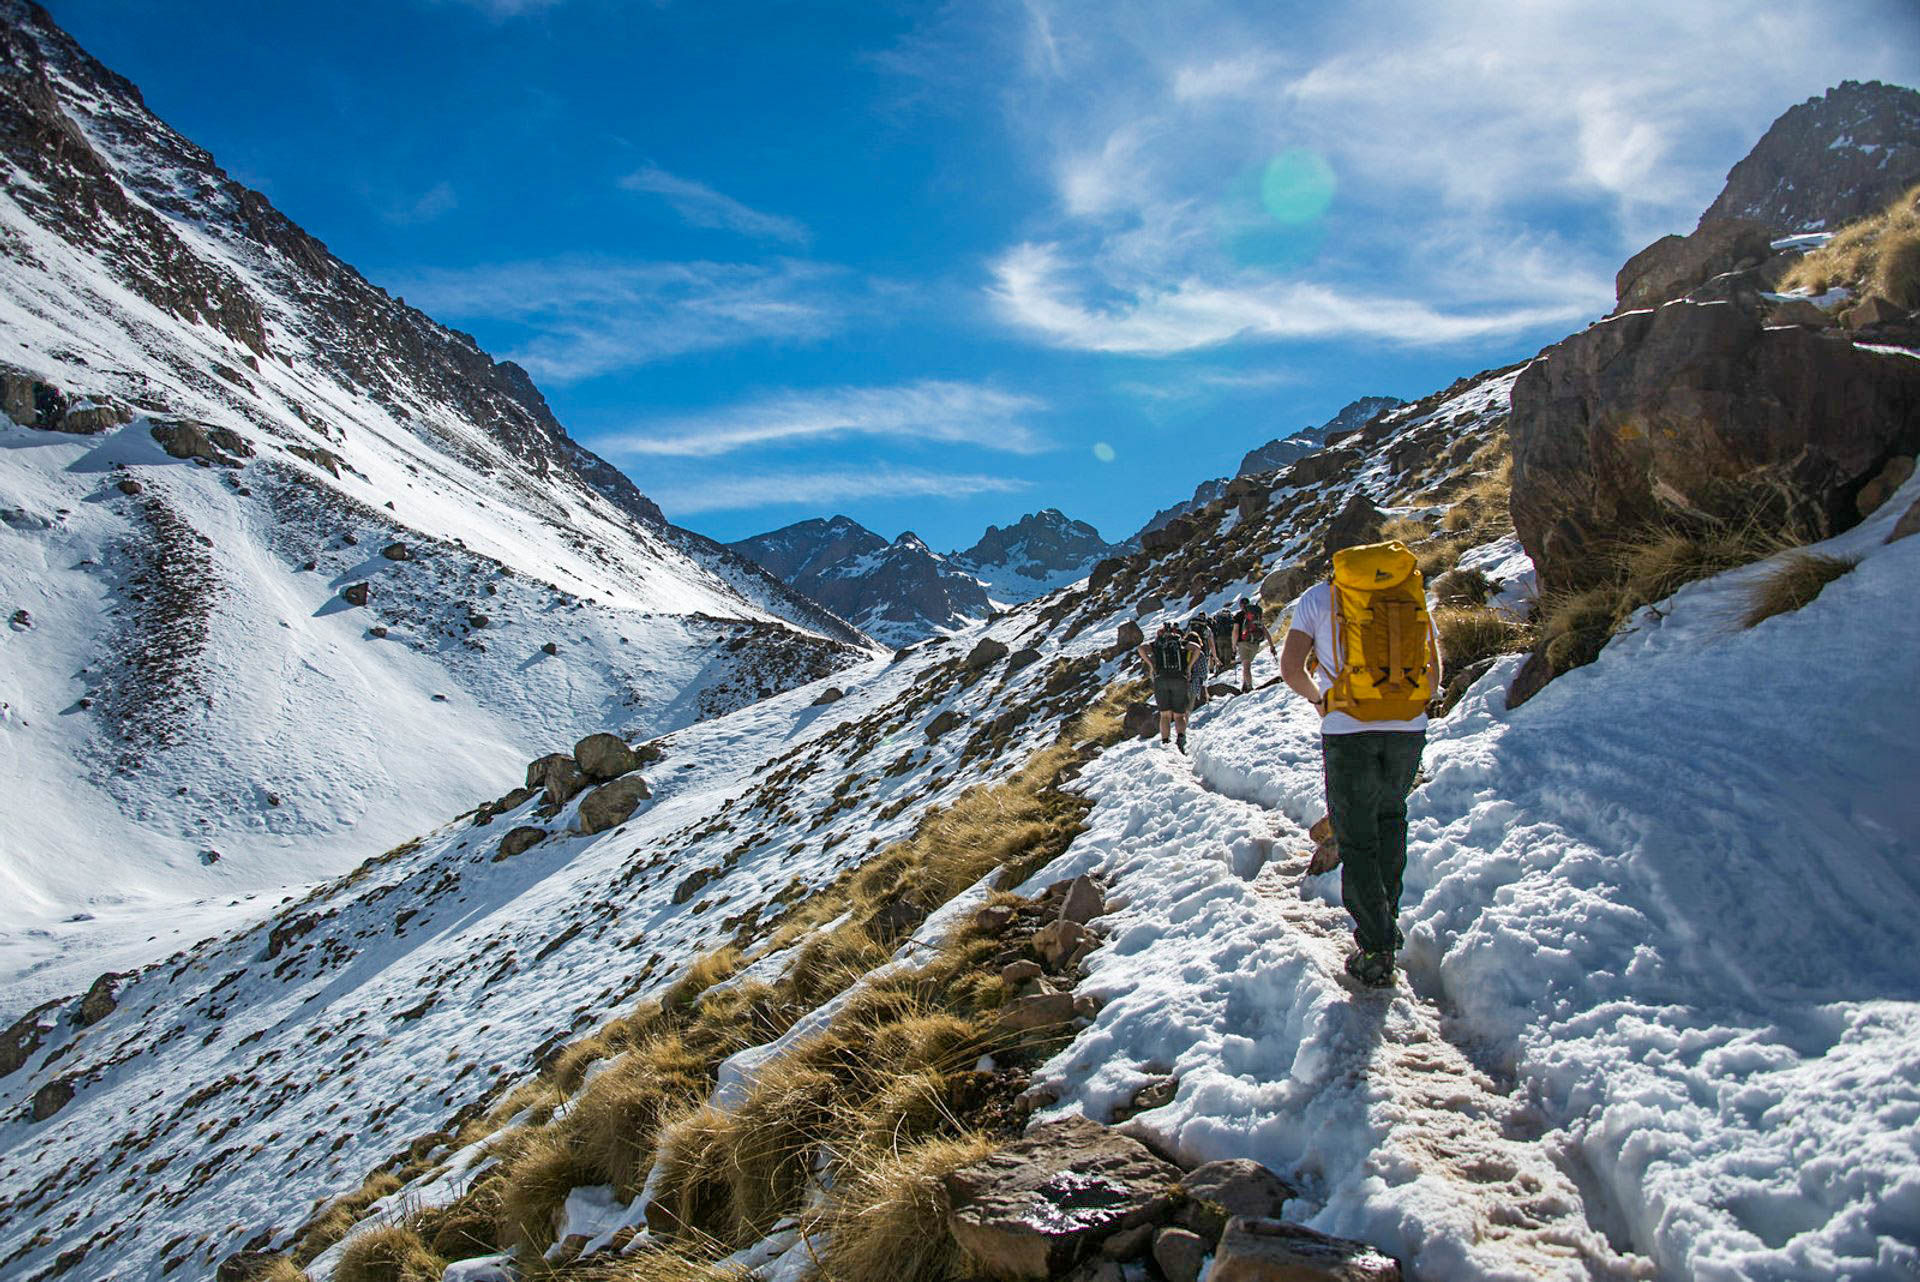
<point x="1369" y="775"/>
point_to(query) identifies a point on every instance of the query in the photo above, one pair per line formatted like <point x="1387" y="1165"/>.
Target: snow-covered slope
<point x="1658" y="1021"/>
<point x="190" y="713"/>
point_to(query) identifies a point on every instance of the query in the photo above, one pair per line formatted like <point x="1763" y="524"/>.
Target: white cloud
<point x="589" y="316"/>
<point x="929" y="411"/>
<point x="702" y="206"/>
<point x="1495" y="160"/>
<point x="820" y="488"/>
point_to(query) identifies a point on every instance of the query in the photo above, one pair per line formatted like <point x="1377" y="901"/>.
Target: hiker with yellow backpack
<point x="1362" y="649"/>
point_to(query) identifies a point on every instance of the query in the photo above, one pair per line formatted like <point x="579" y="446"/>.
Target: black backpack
<point x="1169" y="652"/>
<point x="1223" y="630"/>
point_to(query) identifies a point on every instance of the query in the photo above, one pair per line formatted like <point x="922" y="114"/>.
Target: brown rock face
<point x="1254" y="1250"/>
<point x="25" y="1035"/>
<point x="51" y="1098"/>
<point x="1697" y="412"/>
<point x="1103" y="572"/>
<point x="1042" y="1204"/>
<point x="1358" y="522"/>
<point x="984" y="655"/>
<point x="1140" y="722"/>
<point x="101" y="999"/>
<point x="1218" y="1191"/>
<point x="1129" y="637"/>
<point x="519" y="842"/>
<point x="557" y="774"/>
<point x="356" y="593"/>
<point x="604" y="756"/>
<point x="611" y="803"/>
<point x="1672" y="265"/>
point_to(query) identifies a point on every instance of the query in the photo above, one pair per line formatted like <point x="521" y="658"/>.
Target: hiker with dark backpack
<point x="1199" y="633"/>
<point x="1168" y="656"/>
<point x="1223" y="637"/>
<point x="1362" y="649"/>
<point x="1249" y="630"/>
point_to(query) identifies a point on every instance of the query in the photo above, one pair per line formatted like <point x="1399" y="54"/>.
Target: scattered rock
<point x="21" y="620"/>
<point x="209" y="857"/>
<point x="604" y="756"/>
<point x="611" y="803"/>
<point x="1218" y="1191"/>
<point x="1129" y="638"/>
<point x="984" y="655"/>
<point x="378" y="631"/>
<point x="184" y="440"/>
<point x="832" y="694"/>
<point x="1038" y="1010"/>
<point x="1253" y="1250"/>
<point x="550" y="648"/>
<point x="128" y="486"/>
<point x="1358" y="522"/>
<point x="1038" y="1207"/>
<point x="356" y="593"/>
<point x="51" y="1098"/>
<point x="1058" y="940"/>
<point x="1285" y="584"/>
<point x="1179" y="1253"/>
<point x="1158" y="1092"/>
<point x="690" y="885"/>
<point x="101" y="998"/>
<point x="25" y="1036"/>
<point x="1881" y="488"/>
<point x="519" y="841"/>
<point x="1015" y="973"/>
<point x="321" y="458"/>
<point x="1168" y="537"/>
<point x="1083" y="901"/>
<point x="477" y="620"/>
<point x="1022" y="658"/>
<point x="993" y="919"/>
<point x="1141" y="721"/>
<point x="1103" y="572"/>
<point x="1129" y="1244"/>
<point x="225" y="438"/>
<point x="941" y="724"/>
<point x="397" y="552"/>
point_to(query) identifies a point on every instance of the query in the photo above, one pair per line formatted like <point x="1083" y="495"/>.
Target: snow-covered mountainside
<point x="213" y="431"/>
<point x="1276" y="454"/>
<point x="902" y="592"/>
<point x="1658" y="1020"/>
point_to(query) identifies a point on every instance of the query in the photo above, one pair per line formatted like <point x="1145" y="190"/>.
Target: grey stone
<point x="1083" y="901"/>
<point x="984" y="655"/>
<point x="1179" y="1253"/>
<point x="51" y="1098"/>
<point x="604" y="756"/>
<point x="397" y="552"/>
<point x="558" y="776"/>
<point x="611" y="803"/>
<point x="1218" y="1191"/>
<point x="832" y="694"/>
<point x="1258" y="1250"/>
<point x="519" y="841"/>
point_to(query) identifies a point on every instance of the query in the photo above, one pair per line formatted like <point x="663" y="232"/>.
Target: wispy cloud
<point x="820" y="488"/>
<point x="1488" y="163"/>
<point x="436" y="200"/>
<point x="589" y="317"/>
<point x="929" y="411"/>
<point x="702" y="206"/>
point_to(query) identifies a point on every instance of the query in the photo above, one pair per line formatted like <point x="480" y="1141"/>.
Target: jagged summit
<point x="1828" y="160"/>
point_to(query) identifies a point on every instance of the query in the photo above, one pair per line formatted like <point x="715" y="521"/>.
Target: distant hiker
<point x="1168" y="656"/>
<point x="1362" y="650"/>
<point x="1223" y="638"/>
<point x="1248" y="632"/>
<point x="1200" y="633"/>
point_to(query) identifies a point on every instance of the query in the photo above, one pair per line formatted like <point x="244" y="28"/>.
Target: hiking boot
<point x="1372" y="967"/>
<point x="1183" y="743"/>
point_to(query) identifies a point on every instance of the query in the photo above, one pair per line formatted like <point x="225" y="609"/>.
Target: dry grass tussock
<point x="1878" y="254"/>
<point x="1404" y="529"/>
<point x="1794" y="583"/>
<point x="887" y="1220"/>
<point x="390" y="1253"/>
<point x="1469" y="634"/>
<point x="278" y="1269"/>
<point x="659" y="1266"/>
<point x="333" y="1223"/>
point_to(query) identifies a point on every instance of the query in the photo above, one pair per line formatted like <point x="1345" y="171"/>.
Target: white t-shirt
<point x="1313" y="615"/>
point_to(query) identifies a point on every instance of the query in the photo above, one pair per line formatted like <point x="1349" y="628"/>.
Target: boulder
<point x="1059" y="940"/>
<point x="1285" y="584"/>
<point x="84" y="418"/>
<point x="26" y="1034"/>
<point x="1040" y="1010"/>
<point x="1695" y="414"/>
<point x="1322" y="466"/>
<point x="1799" y="311"/>
<point x="101" y="999"/>
<point x="397" y="552"/>
<point x="832" y="694"/>
<point x="1140" y="721"/>
<point x="356" y="593"/>
<point x="1129" y="637"/>
<point x="1872" y="310"/>
<point x="941" y="724"/>
<point x="183" y="440"/>
<point x="1083" y="901"/>
<point x="1672" y="265"/>
<point x="1016" y="973"/>
<point x="51" y="1098"/>
<point x="691" y="884"/>
<point x="477" y="620"/>
<point x="1218" y="1191"/>
<point x="519" y="841"/>
<point x="225" y="438"/>
<point x="550" y="648"/>
<point x="1179" y="1253"/>
<point x="604" y="756"/>
<point x="1103" y="572"/>
<point x="1252" y="504"/>
<point x="611" y="803"/>
<point x="1881" y="488"/>
<point x="1041" y="1205"/>
<point x="1255" y="1250"/>
<point x="1157" y="1092"/>
<point x="993" y="919"/>
<point x="128" y="486"/>
<point x="1358" y="522"/>
<point x="1168" y="537"/>
<point x="557" y="774"/>
<point x="984" y="655"/>
<point x="321" y="458"/>
<point x="1022" y="658"/>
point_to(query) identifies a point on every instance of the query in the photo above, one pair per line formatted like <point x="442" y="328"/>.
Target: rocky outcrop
<point x="357" y="593"/>
<point x="558" y="776"/>
<point x="101" y="999"/>
<point x="1698" y="413"/>
<point x="51" y="1098"/>
<point x="610" y="804"/>
<point x="32" y="402"/>
<point x="519" y="841"/>
<point x="26" y="1035"/>
<point x="984" y="655"/>
<point x="1359" y="521"/>
<point x="1042" y="1204"/>
<point x="1827" y="161"/>
<point x="1672" y="265"/>
<point x="194" y="441"/>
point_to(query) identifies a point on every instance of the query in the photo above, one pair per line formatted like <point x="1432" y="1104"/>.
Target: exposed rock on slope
<point x="1828" y="160"/>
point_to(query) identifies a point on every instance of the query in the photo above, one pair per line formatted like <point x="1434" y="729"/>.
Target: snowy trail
<point x="1226" y="972"/>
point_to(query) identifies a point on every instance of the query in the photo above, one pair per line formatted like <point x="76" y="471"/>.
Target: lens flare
<point x="1297" y="186"/>
<point x="1103" y="451"/>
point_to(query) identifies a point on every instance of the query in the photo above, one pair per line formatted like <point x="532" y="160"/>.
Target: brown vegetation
<point x="1793" y="583"/>
<point x="1878" y="254"/>
<point x="389" y="1253"/>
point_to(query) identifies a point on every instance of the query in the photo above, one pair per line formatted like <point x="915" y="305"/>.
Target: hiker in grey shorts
<point x="1168" y="656"/>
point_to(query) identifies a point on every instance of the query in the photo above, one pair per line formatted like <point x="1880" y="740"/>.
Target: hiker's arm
<point x="1146" y="657"/>
<point x="1293" y="667"/>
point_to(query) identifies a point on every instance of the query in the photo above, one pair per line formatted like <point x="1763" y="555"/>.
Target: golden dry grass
<point x="1469" y="634"/>
<point x="1462" y="587"/>
<point x="1794" y="583"/>
<point x="539" y="1167"/>
<point x="888" y="1220"/>
<point x="707" y="970"/>
<point x="332" y="1224"/>
<point x="390" y="1253"/>
<point x="691" y="1186"/>
<point x="278" y="1269"/>
<point x="1878" y="254"/>
<point x="1405" y="529"/>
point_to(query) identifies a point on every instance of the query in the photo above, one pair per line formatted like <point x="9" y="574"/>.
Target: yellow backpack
<point x="1381" y="633"/>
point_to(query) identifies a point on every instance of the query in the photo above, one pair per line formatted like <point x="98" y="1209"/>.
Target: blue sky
<point x="939" y="265"/>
